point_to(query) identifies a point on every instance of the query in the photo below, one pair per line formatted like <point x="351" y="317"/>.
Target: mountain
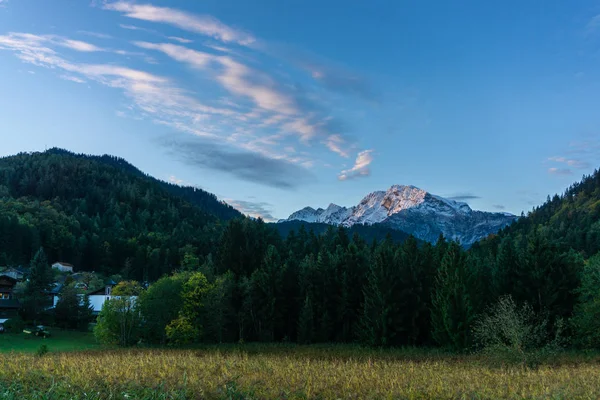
<point x="414" y="211"/>
<point x="102" y="214"/>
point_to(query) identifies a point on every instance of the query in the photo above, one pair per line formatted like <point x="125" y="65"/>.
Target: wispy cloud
<point x="154" y="96"/>
<point x="560" y="171"/>
<point x="593" y="25"/>
<point x="136" y="28"/>
<point x="336" y="143"/>
<point x="244" y="165"/>
<point x="580" y="164"/>
<point x="463" y="197"/>
<point x="72" y="78"/>
<point x="579" y="155"/>
<point x="253" y="209"/>
<point x="180" y="40"/>
<point x="498" y="206"/>
<point x="202" y="24"/>
<point x="360" y="168"/>
<point x="96" y="34"/>
<point x="267" y="95"/>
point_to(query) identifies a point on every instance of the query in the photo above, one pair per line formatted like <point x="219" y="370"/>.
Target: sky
<point x="277" y="105"/>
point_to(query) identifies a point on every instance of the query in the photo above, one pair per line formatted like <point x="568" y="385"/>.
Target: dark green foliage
<point x="101" y="214"/>
<point x="453" y="310"/>
<point x="161" y="304"/>
<point x="67" y="308"/>
<point x="35" y="297"/>
<point x="230" y="279"/>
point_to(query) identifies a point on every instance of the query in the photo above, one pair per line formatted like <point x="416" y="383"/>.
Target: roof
<point x="56" y="288"/>
<point x="9" y="303"/>
<point x="63" y="263"/>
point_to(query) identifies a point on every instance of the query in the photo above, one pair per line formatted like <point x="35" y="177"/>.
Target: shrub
<point x="42" y="350"/>
<point x="181" y="332"/>
<point x="14" y="325"/>
<point x="510" y="334"/>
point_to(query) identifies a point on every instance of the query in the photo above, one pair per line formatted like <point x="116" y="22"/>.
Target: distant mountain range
<point x="413" y="211"/>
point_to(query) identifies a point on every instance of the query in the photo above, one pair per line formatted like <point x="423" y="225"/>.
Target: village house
<point x="97" y="297"/>
<point x="63" y="267"/>
<point x="9" y="305"/>
<point x="15" y="273"/>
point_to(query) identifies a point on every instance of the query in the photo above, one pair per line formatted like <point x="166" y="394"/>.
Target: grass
<point x="287" y="372"/>
<point x="59" y="341"/>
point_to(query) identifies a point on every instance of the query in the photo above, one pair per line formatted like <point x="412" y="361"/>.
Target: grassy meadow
<point x="58" y="342"/>
<point x="286" y="372"/>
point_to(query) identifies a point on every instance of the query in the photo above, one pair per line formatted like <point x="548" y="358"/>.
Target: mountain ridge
<point x="412" y="210"/>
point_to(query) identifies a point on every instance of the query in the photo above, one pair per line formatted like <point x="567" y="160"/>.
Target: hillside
<point x="102" y="214"/>
<point x="366" y="232"/>
<point x="567" y="221"/>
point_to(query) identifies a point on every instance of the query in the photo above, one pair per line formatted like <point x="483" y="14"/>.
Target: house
<point x="9" y="306"/>
<point x="97" y="297"/>
<point x="63" y="267"/>
<point x="7" y="284"/>
<point x="14" y="273"/>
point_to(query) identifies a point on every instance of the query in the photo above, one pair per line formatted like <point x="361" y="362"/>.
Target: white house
<point x="97" y="298"/>
<point x="63" y="267"/>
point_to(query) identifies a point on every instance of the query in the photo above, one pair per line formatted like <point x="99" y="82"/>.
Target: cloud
<point x="180" y="40"/>
<point x="327" y="73"/>
<point x="96" y="34"/>
<point x="155" y="97"/>
<point x="336" y="144"/>
<point x="176" y="181"/>
<point x="253" y="209"/>
<point x="593" y="25"/>
<point x="72" y="78"/>
<point x="247" y="166"/>
<point x="463" y="197"/>
<point x="136" y="28"/>
<point x="560" y="171"/>
<point x="498" y="206"/>
<point x="360" y="168"/>
<point x="28" y="39"/>
<point x="575" y="163"/>
<point x="202" y="24"/>
<point x="287" y="109"/>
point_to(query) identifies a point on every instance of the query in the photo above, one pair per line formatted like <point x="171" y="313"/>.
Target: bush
<point x="42" y="350"/>
<point x="181" y="332"/>
<point x="509" y="334"/>
<point x="14" y="325"/>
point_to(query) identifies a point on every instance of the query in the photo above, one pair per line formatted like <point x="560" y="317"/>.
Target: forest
<point x="217" y="277"/>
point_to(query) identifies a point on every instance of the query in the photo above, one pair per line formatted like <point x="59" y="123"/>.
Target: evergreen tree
<point x="452" y="310"/>
<point x="306" y="323"/>
<point x="35" y="297"/>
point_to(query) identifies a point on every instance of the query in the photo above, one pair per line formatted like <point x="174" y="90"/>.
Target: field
<point x="286" y="372"/>
<point x="60" y="341"/>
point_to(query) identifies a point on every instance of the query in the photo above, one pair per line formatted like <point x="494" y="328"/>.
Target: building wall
<point x="96" y="300"/>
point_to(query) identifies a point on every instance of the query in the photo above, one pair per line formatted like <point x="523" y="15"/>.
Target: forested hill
<point x="102" y="214"/>
<point x="208" y="202"/>
<point x="569" y="221"/>
<point x="368" y="233"/>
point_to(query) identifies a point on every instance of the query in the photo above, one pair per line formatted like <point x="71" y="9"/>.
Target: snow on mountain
<point x="414" y="211"/>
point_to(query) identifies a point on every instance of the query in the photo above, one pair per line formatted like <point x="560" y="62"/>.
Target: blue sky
<point x="275" y="105"/>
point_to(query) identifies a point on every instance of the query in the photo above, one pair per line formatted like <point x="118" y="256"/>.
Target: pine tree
<point x="35" y="296"/>
<point x="306" y="332"/>
<point x="452" y="310"/>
